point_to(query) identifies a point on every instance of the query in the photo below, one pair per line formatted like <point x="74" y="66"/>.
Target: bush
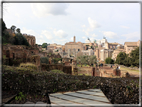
<point x="20" y="40"/>
<point x="28" y="66"/>
<point x="44" y="60"/>
<point x="57" y="71"/>
<point x="109" y="61"/>
<point x="56" y="60"/>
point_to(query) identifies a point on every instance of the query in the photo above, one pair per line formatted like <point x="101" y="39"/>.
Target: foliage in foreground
<point x="117" y="90"/>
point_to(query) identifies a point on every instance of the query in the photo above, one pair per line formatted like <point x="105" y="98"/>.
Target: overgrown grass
<point x="85" y="74"/>
<point x="128" y="70"/>
<point x="78" y="65"/>
<point x="57" y="71"/>
<point x="28" y="65"/>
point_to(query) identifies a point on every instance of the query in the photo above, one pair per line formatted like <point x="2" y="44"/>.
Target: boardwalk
<point x="91" y="97"/>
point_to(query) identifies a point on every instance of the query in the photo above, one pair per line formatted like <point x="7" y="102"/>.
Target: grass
<point x="78" y="65"/>
<point x="127" y="69"/>
<point x="57" y="71"/>
<point x="85" y="74"/>
<point x="28" y="65"/>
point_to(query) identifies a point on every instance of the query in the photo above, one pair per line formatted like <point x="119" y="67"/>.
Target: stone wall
<point x="117" y="90"/>
<point x="48" y="67"/>
<point x="88" y="71"/>
<point x="16" y="54"/>
<point x="31" y="39"/>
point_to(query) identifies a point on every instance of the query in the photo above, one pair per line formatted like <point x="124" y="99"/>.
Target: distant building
<point x="117" y="51"/>
<point x="102" y="42"/>
<point x="105" y="53"/>
<point x="129" y="46"/>
<point x="112" y="45"/>
<point x="72" y="48"/>
<point x="88" y="52"/>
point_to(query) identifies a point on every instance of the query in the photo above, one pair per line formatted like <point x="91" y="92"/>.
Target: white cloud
<point x="47" y="34"/>
<point x="61" y="41"/>
<point x="83" y="26"/>
<point x="71" y="38"/>
<point x="93" y="35"/>
<point x="92" y="39"/>
<point x="125" y="27"/>
<point x="46" y="9"/>
<point x="83" y="37"/>
<point x="109" y="34"/>
<point x="135" y="36"/>
<point x="93" y="23"/>
<point x="17" y="15"/>
<point x="29" y="32"/>
<point x="60" y="33"/>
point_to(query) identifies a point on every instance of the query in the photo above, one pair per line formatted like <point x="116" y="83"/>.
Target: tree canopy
<point x="13" y="28"/>
<point x="109" y="61"/>
<point x="44" y="45"/>
<point x="85" y="59"/>
<point x="131" y="59"/>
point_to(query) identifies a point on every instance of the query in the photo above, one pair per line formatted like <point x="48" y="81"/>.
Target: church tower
<point x="74" y="39"/>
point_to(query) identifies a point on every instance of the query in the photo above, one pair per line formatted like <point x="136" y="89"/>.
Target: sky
<point x="59" y="22"/>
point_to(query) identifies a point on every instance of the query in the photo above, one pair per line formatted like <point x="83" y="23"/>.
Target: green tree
<point x="44" y="45"/>
<point x="134" y="55"/>
<point x="20" y="40"/>
<point x="92" y="60"/>
<point x="3" y="25"/>
<point x="85" y="59"/>
<point x="13" y="28"/>
<point x="127" y="61"/>
<point x="18" y="30"/>
<point x="109" y="61"/>
<point x="121" y="58"/>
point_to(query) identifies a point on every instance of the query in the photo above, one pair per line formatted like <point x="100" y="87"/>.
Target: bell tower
<point x="74" y="39"/>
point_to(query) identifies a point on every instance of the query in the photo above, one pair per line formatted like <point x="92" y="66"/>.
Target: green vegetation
<point x="131" y="59"/>
<point x="28" y="66"/>
<point x="109" y="61"/>
<point x="20" y="40"/>
<point x="44" y="60"/>
<point x="127" y="69"/>
<point x="88" y="60"/>
<point x="15" y="38"/>
<point x="20" y="97"/>
<point x="83" y="65"/>
<point x="56" y="60"/>
<point x="57" y="71"/>
<point x="44" y="45"/>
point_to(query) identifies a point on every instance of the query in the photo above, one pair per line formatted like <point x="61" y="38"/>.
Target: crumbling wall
<point x="48" y="67"/>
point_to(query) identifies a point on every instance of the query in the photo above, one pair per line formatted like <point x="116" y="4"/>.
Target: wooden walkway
<point x="91" y="97"/>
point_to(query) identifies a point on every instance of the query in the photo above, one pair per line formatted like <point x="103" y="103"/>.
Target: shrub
<point x="20" y="40"/>
<point x="44" y="60"/>
<point x="28" y="66"/>
<point x="109" y="61"/>
<point x="57" y="71"/>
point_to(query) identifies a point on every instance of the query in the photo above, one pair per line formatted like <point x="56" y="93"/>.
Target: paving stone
<point x="98" y="90"/>
<point x="40" y="104"/>
<point x="104" y="99"/>
<point x="59" y="101"/>
<point x="89" y="97"/>
<point x="92" y="93"/>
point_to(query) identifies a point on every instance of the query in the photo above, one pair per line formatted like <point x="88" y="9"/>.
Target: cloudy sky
<point x="59" y="22"/>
